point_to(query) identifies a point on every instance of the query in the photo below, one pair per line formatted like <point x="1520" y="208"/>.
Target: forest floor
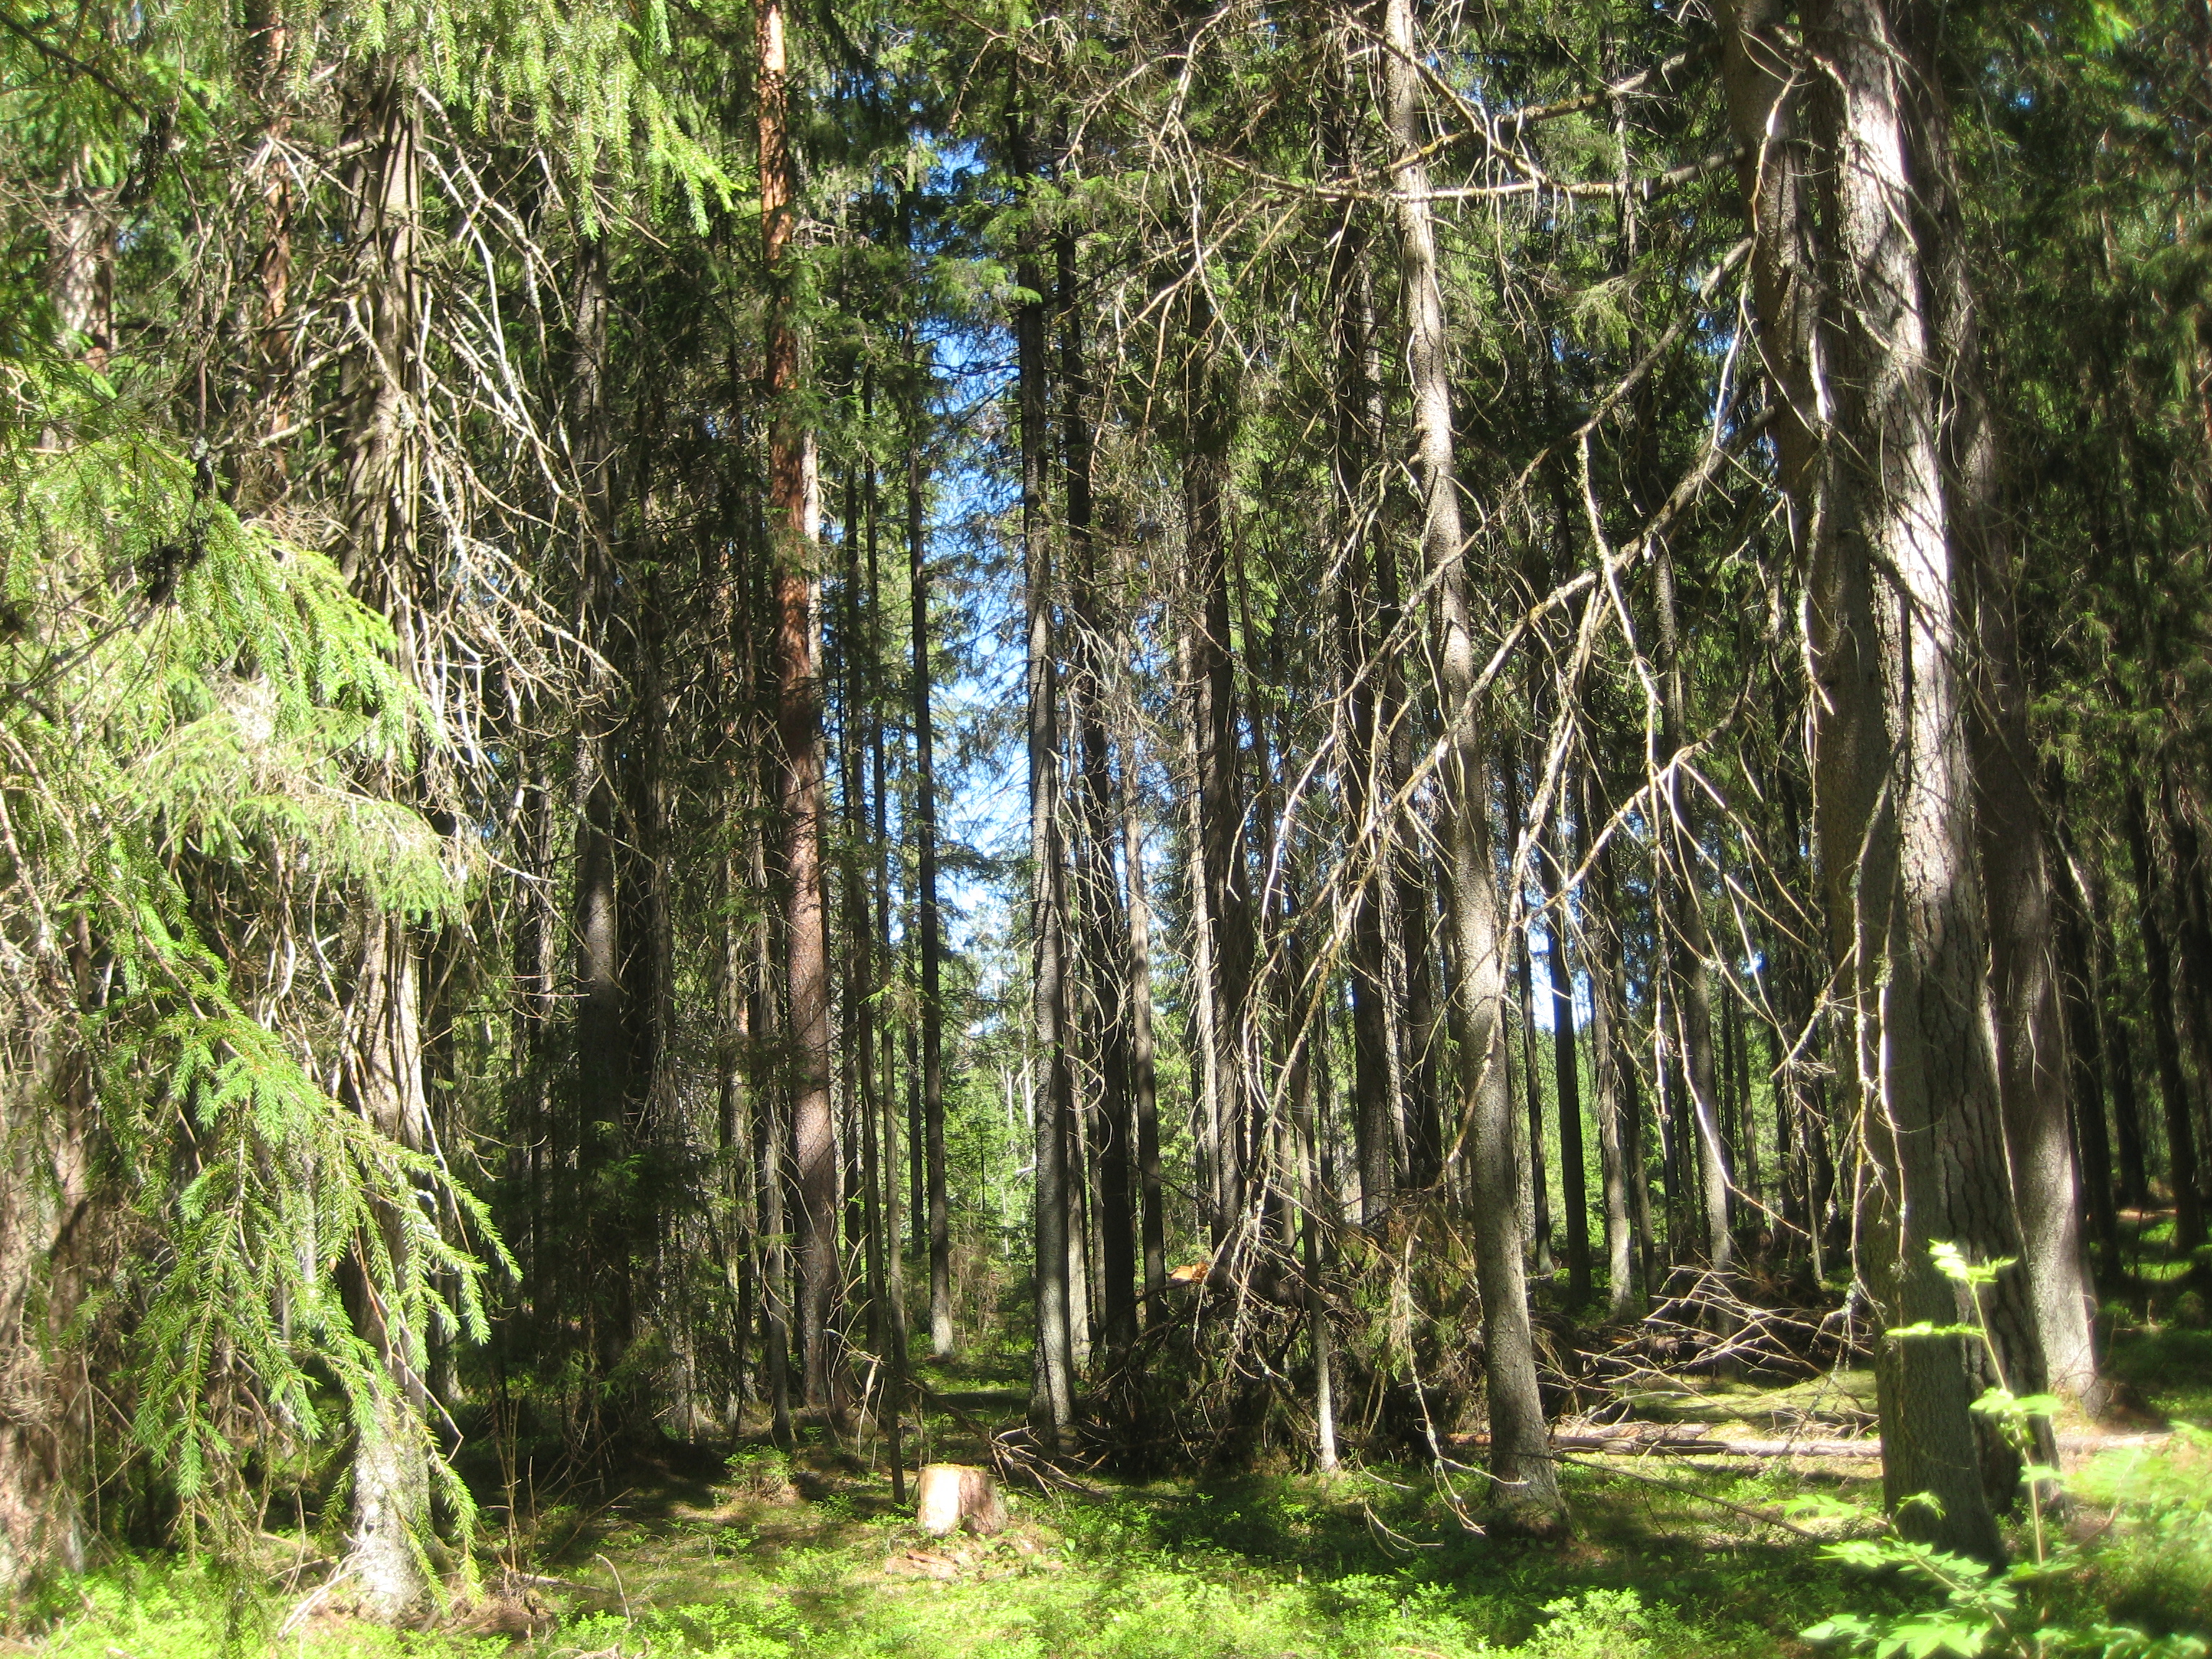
<point x="758" y="1556"/>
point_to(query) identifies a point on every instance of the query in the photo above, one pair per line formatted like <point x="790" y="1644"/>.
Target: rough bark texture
<point x="1529" y="1489"/>
<point x="1104" y="931"/>
<point x="1144" y="1079"/>
<point x="2012" y="837"/>
<point x="792" y="512"/>
<point x="2173" y="1086"/>
<point x="1894" y="798"/>
<point x="1052" y="1400"/>
<point x="1690" y="944"/>
<point x="1620" y="1158"/>
<point x="1220" y="785"/>
<point x="382" y="1065"/>
<point x="1574" y="1180"/>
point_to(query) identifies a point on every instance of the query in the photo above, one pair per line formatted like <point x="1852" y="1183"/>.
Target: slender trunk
<point x="1618" y="1166"/>
<point x="1220" y="787"/>
<point x="1355" y="449"/>
<point x="1052" y="1401"/>
<point x="772" y="1168"/>
<point x="1520" y="1456"/>
<point x="931" y="1147"/>
<point x="1574" y="1180"/>
<point x="1535" y="1192"/>
<point x="2173" y="1086"/>
<point x="1144" y="1079"/>
<point x="1104" y="931"/>
<point x="1690" y="945"/>
<point x="2078" y="982"/>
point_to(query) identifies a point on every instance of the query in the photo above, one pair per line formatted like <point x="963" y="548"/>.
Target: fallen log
<point x="1698" y="1441"/>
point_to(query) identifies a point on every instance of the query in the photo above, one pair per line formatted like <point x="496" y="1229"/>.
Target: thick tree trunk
<point x="2193" y="926"/>
<point x="1895" y="800"/>
<point x="2012" y="837"/>
<point x="382" y="1068"/>
<point x="1521" y="1458"/>
<point x="792" y="508"/>
<point x="48" y="1214"/>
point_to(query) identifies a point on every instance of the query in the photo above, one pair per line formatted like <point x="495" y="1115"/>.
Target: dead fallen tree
<point x="1656" y="1440"/>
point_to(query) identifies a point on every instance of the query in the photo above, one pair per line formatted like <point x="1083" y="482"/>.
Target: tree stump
<point x="951" y="1495"/>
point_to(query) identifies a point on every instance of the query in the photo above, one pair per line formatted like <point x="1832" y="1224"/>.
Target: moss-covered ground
<point x="754" y="1554"/>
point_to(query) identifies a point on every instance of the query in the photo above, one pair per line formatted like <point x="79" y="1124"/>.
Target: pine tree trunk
<point x="2012" y="836"/>
<point x="1144" y="1079"/>
<point x="1895" y="798"/>
<point x="1536" y="1191"/>
<point x="1104" y="931"/>
<point x="382" y="1073"/>
<point x="793" y="512"/>
<point x="2173" y="1087"/>
<point x="929" y="1149"/>
<point x="1052" y="1400"/>
<point x="1690" y="944"/>
<point x="1521" y="1455"/>
<point x="1619" y="1156"/>
<point x="1220" y="787"/>
<point x="2193" y="927"/>
<point x="1574" y="1180"/>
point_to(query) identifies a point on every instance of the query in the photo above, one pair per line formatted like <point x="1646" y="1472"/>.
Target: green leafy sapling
<point x="2014" y="1610"/>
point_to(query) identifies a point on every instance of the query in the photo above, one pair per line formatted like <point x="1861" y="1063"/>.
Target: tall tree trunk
<point x="1535" y="1192"/>
<point x="1143" y="1078"/>
<point x="1619" y="1157"/>
<point x="2012" y="838"/>
<point x="2193" y="926"/>
<point x="1895" y="800"/>
<point x="1690" y="944"/>
<point x="1206" y="437"/>
<point x="930" y="1149"/>
<point x="2086" y="1046"/>
<point x="1052" y="1400"/>
<point x="602" y="1050"/>
<point x="2173" y="1086"/>
<point x="793" y="510"/>
<point x="1355" y="451"/>
<point x="383" y="1058"/>
<point x="1104" y="931"/>
<point x="1520" y="1458"/>
<point x="1574" y="1180"/>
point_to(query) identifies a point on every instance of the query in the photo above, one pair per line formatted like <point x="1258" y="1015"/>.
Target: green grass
<point x="761" y="1557"/>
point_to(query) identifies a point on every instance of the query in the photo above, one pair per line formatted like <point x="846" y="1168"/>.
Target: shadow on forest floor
<point x="746" y="1551"/>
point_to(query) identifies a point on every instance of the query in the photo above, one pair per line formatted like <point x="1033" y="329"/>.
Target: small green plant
<point x="2015" y="1610"/>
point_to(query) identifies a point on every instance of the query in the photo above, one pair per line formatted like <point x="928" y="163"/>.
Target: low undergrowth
<point x="765" y="1555"/>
